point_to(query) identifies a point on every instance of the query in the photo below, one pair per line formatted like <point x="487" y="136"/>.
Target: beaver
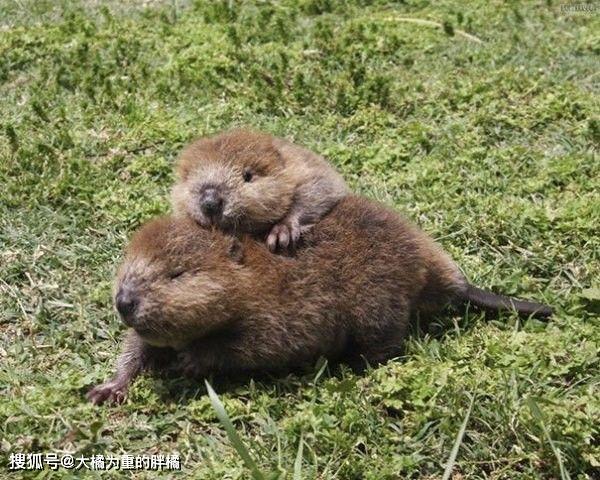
<point x="220" y="304"/>
<point x="252" y="182"/>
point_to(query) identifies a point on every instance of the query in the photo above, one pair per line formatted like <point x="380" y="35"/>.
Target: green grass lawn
<point x="489" y="142"/>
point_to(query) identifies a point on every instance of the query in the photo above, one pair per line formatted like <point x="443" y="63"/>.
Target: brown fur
<point x="290" y="188"/>
<point x="225" y="305"/>
<point x="360" y="274"/>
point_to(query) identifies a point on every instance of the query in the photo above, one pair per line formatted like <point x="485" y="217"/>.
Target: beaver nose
<point x="126" y="304"/>
<point x="211" y="202"/>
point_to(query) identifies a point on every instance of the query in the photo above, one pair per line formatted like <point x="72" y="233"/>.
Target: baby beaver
<point x="250" y="182"/>
<point x="212" y="303"/>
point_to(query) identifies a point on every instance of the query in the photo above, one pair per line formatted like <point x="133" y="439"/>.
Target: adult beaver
<point x="217" y="304"/>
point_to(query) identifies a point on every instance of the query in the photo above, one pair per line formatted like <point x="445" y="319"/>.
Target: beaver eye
<point x="247" y="175"/>
<point x="178" y="272"/>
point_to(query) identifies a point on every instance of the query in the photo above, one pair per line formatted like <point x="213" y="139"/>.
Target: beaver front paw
<point x="283" y="235"/>
<point x="113" y="391"/>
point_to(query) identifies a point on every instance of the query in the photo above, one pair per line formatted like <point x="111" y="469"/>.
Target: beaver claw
<point x="283" y="235"/>
<point x="112" y="391"/>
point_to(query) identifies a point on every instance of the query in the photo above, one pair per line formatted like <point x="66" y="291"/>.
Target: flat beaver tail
<point x="492" y="301"/>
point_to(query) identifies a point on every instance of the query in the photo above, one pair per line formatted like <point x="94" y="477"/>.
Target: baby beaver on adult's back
<point x="216" y="304"/>
<point x="251" y="182"/>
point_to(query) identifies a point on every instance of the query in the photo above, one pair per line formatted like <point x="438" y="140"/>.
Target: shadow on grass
<point x="176" y="388"/>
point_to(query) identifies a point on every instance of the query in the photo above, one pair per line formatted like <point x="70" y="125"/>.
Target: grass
<point x="491" y="146"/>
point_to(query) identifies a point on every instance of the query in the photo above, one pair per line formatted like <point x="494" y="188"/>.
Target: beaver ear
<point x="235" y="250"/>
<point x="281" y="157"/>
